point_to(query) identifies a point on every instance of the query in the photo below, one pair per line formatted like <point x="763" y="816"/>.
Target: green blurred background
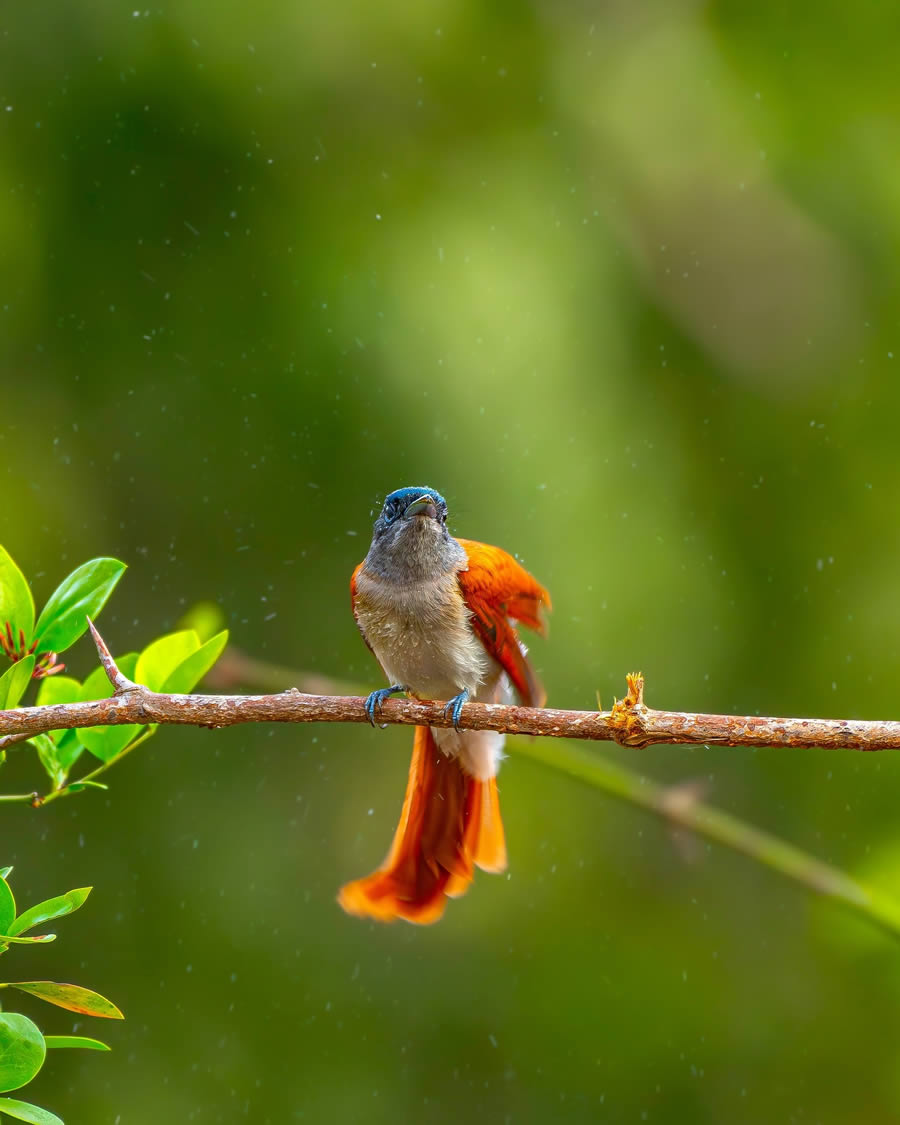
<point x="620" y="279"/>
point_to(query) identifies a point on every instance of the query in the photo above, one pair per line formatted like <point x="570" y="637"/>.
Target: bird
<point x="437" y="613"/>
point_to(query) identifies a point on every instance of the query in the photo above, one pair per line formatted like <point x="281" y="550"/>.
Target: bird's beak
<point x="424" y="506"/>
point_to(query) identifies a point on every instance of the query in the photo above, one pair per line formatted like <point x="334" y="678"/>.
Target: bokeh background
<point x="621" y="279"/>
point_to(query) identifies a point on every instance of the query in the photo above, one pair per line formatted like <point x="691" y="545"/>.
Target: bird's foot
<point x="454" y="707"/>
<point x="375" y="699"/>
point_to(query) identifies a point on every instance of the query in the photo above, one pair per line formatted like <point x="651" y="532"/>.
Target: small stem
<point x="65" y="790"/>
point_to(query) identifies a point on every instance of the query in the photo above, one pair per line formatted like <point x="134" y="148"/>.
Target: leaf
<point x="191" y="670"/>
<point x="160" y="658"/>
<point x="49" y="909"/>
<point x="22" y="1050"/>
<point x="75" y="1041"/>
<point x="69" y="750"/>
<point x="25" y="1111"/>
<point x="71" y="996"/>
<point x="83" y="594"/>
<point x="78" y="786"/>
<point x="16" y="602"/>
<point x="4" y="872"/>
<point x="14" y="681"/>
<point x="55" y="690"/>
<point x="48" y="758"/>
<point x="7" y="905"/>
<point x="105" y="742"/>
<point x="205" y="618"/>
<point x="38" y="939"/>
<point x="58" y="689"/>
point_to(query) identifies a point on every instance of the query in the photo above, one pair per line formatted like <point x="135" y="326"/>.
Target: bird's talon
<point x="375" y="699"/>
<point x="454" y="707"/>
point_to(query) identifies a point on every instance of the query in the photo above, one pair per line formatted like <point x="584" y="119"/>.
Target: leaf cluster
<point x="23" y="1046"/>
<point x="174" y="663"/>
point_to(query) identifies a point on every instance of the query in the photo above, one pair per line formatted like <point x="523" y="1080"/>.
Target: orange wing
<point x="495" y="589"/>
<point x="353" y="577"/>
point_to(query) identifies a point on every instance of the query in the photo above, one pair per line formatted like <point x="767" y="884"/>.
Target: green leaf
<point x="22" y="1050"/>
<point x="105" y="742"/>
<point x="205" y="618"/>
<point x="75" y="1041"/>
<point x="13" y="683"/>
<point x="4" y="872"/>
<point x="7" y="905"/>
<point x="193" y="668"/>
<point x="49" y="909"/>
<point x="69" y="750"/>
<point x="16" y="602"/>
<point x="83" y="594"/>
<point x="71" y="996"/>
<point x="38" y="939"/>
<point x="25" y="1111"/>
<point x="43" y="743"/>
<point x="52" y="691"/>
<point x="160" y="659"/>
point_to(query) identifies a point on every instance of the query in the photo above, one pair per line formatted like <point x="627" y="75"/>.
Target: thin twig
<point x="11" y="739"/>
<point x="680" y="806"/>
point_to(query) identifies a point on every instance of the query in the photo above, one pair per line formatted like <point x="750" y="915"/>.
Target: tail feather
<point x="450" y="823"/>
<point x="490" y="853"/>
<point x="483" y="840"/>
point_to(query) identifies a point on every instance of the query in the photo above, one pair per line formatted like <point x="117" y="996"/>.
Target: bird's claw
<point x="375" y="699"/>
<point x="454" y="707"/>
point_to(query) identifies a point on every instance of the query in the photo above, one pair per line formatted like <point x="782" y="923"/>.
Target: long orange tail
<point x="449" y="825"/>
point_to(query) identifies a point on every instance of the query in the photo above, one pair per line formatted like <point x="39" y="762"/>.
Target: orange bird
<point x="437" y="613"/>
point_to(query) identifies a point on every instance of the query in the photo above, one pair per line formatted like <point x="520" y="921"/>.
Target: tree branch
<point x="629" y="723"/>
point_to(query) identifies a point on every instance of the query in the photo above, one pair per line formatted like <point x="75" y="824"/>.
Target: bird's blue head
<point x="407" y="503"/>
<point x="411" y="539"/>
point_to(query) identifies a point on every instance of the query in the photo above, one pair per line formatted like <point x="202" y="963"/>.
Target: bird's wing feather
<point x="496" y="588"/>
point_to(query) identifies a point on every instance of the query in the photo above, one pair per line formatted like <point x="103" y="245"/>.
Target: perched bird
<point x="436" y="613"/>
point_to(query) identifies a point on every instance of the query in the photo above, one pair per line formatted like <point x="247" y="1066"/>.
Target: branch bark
<point x="630" y="722"/>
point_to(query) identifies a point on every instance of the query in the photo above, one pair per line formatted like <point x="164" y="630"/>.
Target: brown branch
<point x="12" y="739"/>
<point x="630" y="722"/>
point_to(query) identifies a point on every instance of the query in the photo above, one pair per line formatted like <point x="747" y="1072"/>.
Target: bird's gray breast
<point x="421" y="634"/>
